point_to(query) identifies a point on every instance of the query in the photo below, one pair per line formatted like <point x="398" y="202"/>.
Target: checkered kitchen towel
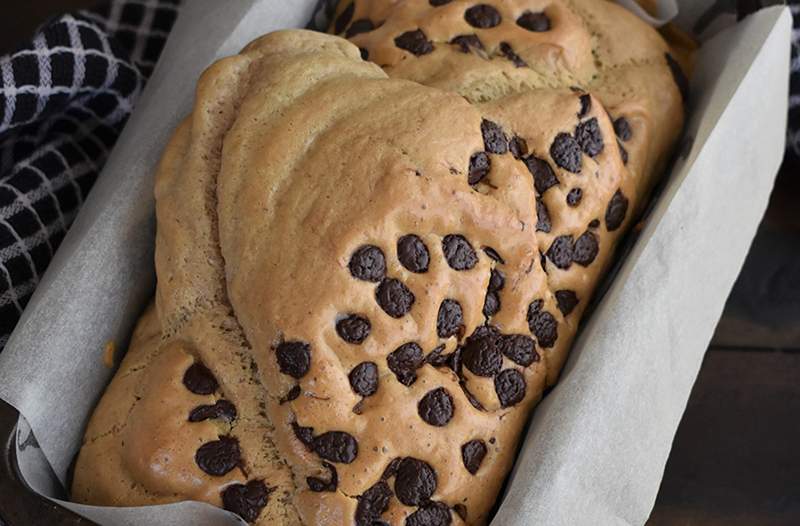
<point x="64" y="98"/>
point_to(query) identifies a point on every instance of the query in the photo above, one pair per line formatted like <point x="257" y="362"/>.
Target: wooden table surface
<point x="736" y="456"/>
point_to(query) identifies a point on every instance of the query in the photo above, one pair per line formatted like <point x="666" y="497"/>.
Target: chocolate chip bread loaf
<point x="368" y="275"/>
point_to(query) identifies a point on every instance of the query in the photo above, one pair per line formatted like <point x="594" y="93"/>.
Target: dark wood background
<point x="736" y="456"/>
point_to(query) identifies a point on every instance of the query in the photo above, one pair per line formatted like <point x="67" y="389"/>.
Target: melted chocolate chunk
<point x="481" y="355"/>
<point x="394" y="298"/>
<point x="623" y="153"/>
<point x="404" y="361"/>
<point x="319" y="485"/>
<point x="497" y="280"/>
<point x="436" y="358"/>
<point x="560" y="252"/>
<point x="536" y="22"/>
<point x="567" y="300"/>
<point x="472" y="454"/>
<point x="467" y="42"/>
<point x="222" y="410"/>
<point x="510" y="387"/>
<point x="363" y="25"/>
<point x="415" y="42"/>
<point x="218" y="457"/>
<point x="364" y="53"/>
<point x="623" y="129"/>
<point x="594" y="223"/>
<point x="353" y="328"/>
<point x="586" y="105"/>
<point x="437" y="3"/>
<point x="461" y="511"/>
<point x="343" y="20"/>
<point x="616" y="211"/>
<point x="415" y="481"/>
<point x="450" y="320"/>
<point x="364" y="379"/>
<point x="493" y="255"/>
<point x="491" y="304"/>
<point x="391" y="468"/>
<point x="294" y="358"/>
<point x="303" y="434"/>
<point x="586" y="248"/>
<point x="678" y="75"/>
<point x="519" y="348"/>
<point x="494" y="139"/>
<point x="518" y="147"/>
<point x="413" y="253"/>
<point x="246" y="500"/>
<point x="482" y="16"/>
<point x="479" y="166"/>
<point x="542" y="324"/>
<point x="458" y="252"/>
<point x="589" y="137"/>
<point x="368" y="264"/>
<point x="566" y="153"/>
<point x="436" y="407"/>
<point x="430" y="514"/>
<point x="508" y="52"/>
<point x="336" y="446"/>
<point x="542" y="216"/>
<point x="543" y="176"/>
<point x="574" y="197"/>
<point x="199" y="380"/>
<point x="373" y="503"/>
<point x="293" y="393"/>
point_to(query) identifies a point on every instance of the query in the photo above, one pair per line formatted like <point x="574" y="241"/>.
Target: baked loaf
<point x="366" y="283"/>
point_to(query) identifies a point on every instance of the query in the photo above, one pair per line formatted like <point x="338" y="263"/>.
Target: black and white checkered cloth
<point x="64" y="98"/>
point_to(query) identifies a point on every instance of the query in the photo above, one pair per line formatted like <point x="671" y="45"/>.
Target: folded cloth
<point x="65" y="97"/>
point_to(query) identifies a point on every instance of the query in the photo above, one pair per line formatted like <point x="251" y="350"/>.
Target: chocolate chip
<point x="510" y="387"/>
<point x="472" y="454"/>
<point x="586" y="105"/>
<point x="404" y="361"/>
<point x="353" y="328"/>
<point x="519" y="348"/>
<point x="560" y="252"/>
<point x="436" y="358"/>
<point x="543" y="176"/>
<point x="368" y="264"/>
<point x="303" y="434"/>
<point x="458" y="252"/>
<point x="319" y="485"/>
<point x="394" y="298"/>
<point x="363" y="25"/>
<point x="616" y="211"/>
<point x="450" y="320"/>
<point x="623" y="153"/>
<point x="492" y="253"/>
<point x="481" y="354"/>
<point x="574" y="197"/>
<point x="679" y="76"/>
<point x="518" y="147"/>
<point x="413" y="253"/>
<point x="199" y="380"/>
<point x="336" y="446"/>
<point x="467" y="42"/>
<point x="364" y="53"/>
<point x="373" y="503"/>
<point x="542" y="216"/>
<point x="415" y="42"/>
<point x="536" y="22"/>
<point x="623" y="129"/>
<point x="594" y="223"/>
<point x="567" y="300"/>
<point x="497" y="280"/>
<point x="508" y="52"/>
<point x="415" y="481"/>
<point x="364" y="378"/>
<point x="294" y="358"/>
<point x="430" y="514"/>
<point x="218" y="457"/>
<point x="479" y="166"/>
<point x="436" y="407"/>
<point x="246" y="500"/>
<point x="471" y="397"/>
<point x="589" y="137"/>
<point x="391" y="468"/>
<point x="222" y="410"/>
<point x="543" y="261"/>
<point x="437" y="3"/>
<point x="344" y="18"/>
<point x="566" y="153"/>
<point x="482" y="16"/>
<point x="494" y="139"/>
<point x="585" y="250"/>
<point x="293" y="393"/>
<point x="542" y="324"/>
<point x="461" y="511"/>
<point x="491" y="304"/>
